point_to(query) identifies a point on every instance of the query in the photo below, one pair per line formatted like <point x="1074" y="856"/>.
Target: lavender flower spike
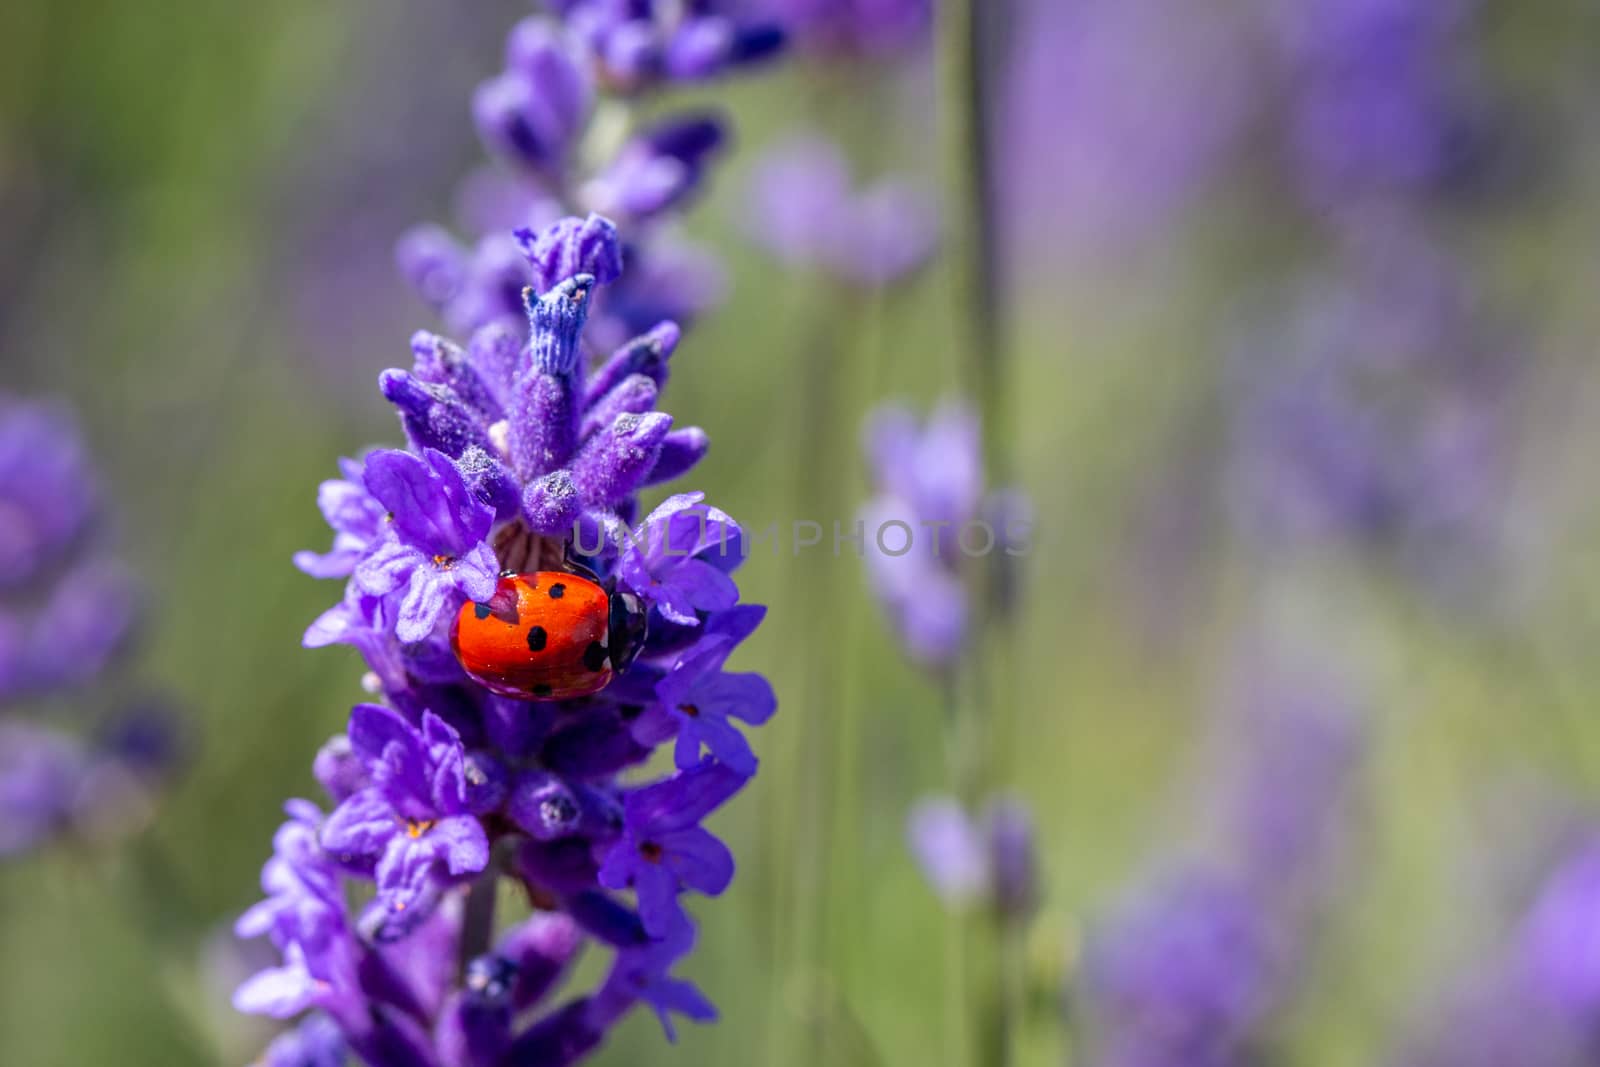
<point x="442" y="787"/>
<point x="931" y="517"/>
<point x="525" y="452"/>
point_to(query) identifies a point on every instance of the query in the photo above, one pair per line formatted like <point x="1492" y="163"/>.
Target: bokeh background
<point x="1199" y="215"/>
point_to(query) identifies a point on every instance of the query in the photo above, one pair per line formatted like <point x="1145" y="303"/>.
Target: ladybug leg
<point x="572" y="565"/>
<point x="548" y="554"/>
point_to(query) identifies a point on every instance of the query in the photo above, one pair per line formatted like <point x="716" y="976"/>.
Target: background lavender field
<point x="1299" y="313"/>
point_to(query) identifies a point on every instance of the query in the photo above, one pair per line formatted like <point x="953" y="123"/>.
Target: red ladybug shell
<point x="543" y="636"/>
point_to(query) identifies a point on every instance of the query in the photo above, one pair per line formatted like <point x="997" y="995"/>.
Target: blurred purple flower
<point x="658" y="169"/>
<point x="1013" y="857"/>
<point x="930" y="517"/>
<point x="948" y="848"/>
<point x="868" y="28"/>
<point x="532" y="114"/>
<point x="67" y="610"/>
<point x="1300" y="747"/>
<point x="1119" y="116"/>
<point x="1380" y="93"/>
<point x="804" y="210"/>
<point x="1534" y="1003"/>
<point x="1185" y="977"/>
<point x="1371" y="410"/>
<point x="969" y="861"/>
<point x="1199" y="962"/>
<point x="48" y="492"/>
<point x="315" y="1042"/>
<point x="41" y="772"/>
<point x="639" y="44"/>
<point x="1560" y="937"/>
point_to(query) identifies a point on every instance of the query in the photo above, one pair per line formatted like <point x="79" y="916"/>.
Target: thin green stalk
<point x="974" y="254"/>
<point x="959" y="984"/>
<point x="980" y="733"/>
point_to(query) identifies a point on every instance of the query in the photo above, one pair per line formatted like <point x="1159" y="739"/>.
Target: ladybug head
<point x="629" y="622"/>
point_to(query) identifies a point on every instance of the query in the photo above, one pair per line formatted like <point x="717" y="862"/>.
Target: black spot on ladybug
<point x="542" y="690"/>
<point x="594" y="657"/>
<point x="536" y="638"/>
<point x="482" y="611"/>
<point x="558" y="591"/>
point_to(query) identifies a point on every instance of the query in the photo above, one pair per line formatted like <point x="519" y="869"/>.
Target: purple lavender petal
<point x="281" y="992"/>
<point x="359" y="830"/>
<point x="646" y="354"/>
<point x="440" y="361"/>
<point x="316" y="1042"/>
<point x="698" y="860"/>
<point x="434" y="417"/>
<point x="572" y="247"/>
<point x="613" y="463"/>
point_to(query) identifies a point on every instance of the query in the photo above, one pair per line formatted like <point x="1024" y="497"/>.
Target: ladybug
<point x="548" y="635"/>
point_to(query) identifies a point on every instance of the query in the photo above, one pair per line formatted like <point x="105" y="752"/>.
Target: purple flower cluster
<point x="523" y="455"/>
<point x="804" y="210"/>
<point x="563" y="148"/>
<point x="67" y="608"/>
<point x="1202" y="958"/>
<point x="1372" y="410"/>
<point x="930" y="521"/>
